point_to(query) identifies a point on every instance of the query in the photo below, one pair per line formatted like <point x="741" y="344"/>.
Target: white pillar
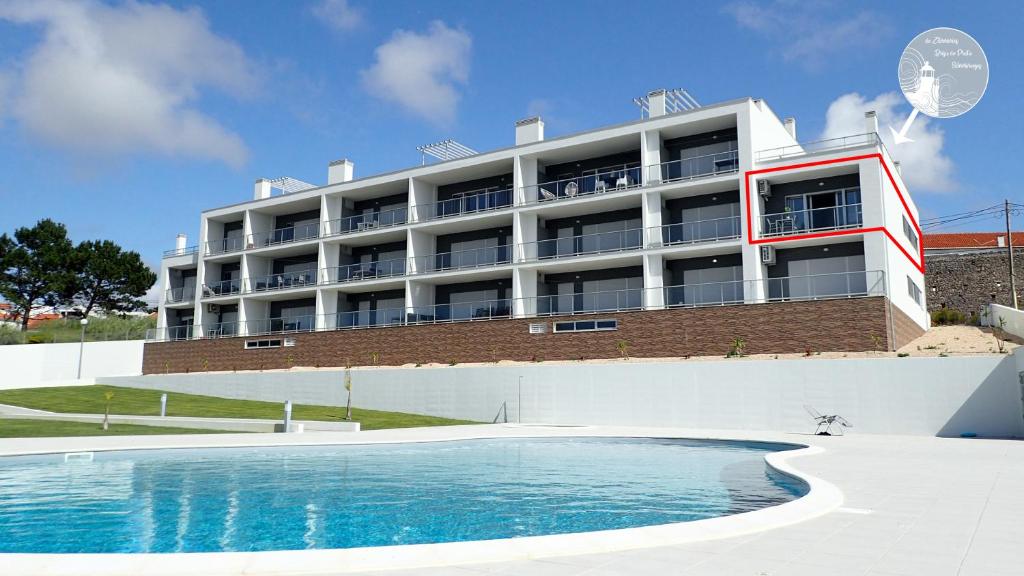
<point x="656" y="103"/>
<point x="340" y="171"/>
<point x="529" y="130"/>
<point x="262" y="189"/>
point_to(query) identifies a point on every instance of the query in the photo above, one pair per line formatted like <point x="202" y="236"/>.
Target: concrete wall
<point x="32" y="365"/>
<point x="921" y="396"/>
<point x="968" y="280"/>
<point x="1014" y="319"/>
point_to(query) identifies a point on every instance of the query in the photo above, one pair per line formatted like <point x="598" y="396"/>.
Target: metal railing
<point x="365" y="222"/>
<point x="582" y="245"/>
<point x="225" y="245"/>
<point x="281" y="325"/>
<point x="604" y="180"/>
<point x="462" y="259"/>
<point x="186" y="251"/>
<point x="813" y="220"/>
<point x="853" y="141"/>
<point x="469" y="203"/>
<point x="284" y="280"/>
<point x="222" y="288"/>
<point x="180" y="294"/>
<point x="695" y="232"/>
<point x="693" y="168"/>
<point x="364" y="271"/>
<point x="839" y="285"/>
<point x="283" y="236"/>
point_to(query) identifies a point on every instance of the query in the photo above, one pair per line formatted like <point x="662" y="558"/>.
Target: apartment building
<point x="672" y="235"/>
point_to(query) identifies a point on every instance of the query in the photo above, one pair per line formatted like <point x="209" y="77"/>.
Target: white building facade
<point x="715" y="206"/>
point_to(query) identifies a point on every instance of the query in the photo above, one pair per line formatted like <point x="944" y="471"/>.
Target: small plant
<point x="534" y="358"/>
<point x="348" y="388"/>
<point x="1000" y="333"/>
<point x="876" y="341"/>
<point x="452" y="362"/>
<point x="808" y="352"/>
<point x="418" y="365"/>
<point x="943" y="355"/>
<point x="289" y="360"/>
<point x="206" y="364"/>
<point x="737" y="349"/>
<point x="167" y="367"/>
<point x="375" y="358"/>
<point x="623" y="347"/>
<point x="949" y="316"/>
<point x="108" y="395"/>
<point x="902" y="354"/>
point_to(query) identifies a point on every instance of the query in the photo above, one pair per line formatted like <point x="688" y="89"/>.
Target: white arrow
<point x="901" y="136"/>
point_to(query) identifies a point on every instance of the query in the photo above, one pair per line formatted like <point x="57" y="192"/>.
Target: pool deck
<point x="910" y="506"/>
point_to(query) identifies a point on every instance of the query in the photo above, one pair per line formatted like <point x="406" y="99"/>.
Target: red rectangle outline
<point x="920" y="237"/>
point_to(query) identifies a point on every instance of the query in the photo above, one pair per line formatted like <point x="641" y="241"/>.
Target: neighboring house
<point x="967" y="270"/>
<point x="642" y="236"/>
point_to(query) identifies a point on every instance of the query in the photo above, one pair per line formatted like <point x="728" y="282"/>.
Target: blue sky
<point x="125" y="120"/>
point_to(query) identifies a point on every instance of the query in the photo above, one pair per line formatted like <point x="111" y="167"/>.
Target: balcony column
<point x="654" y="281"/>
<point x="422" y="196"/>
<point x="524" y="236"/>
<point x="326" y="310"/>
<point x="419" y="246"/>
<point x="524" y="292"/>
<point x="251" y="314"/>
<point x="524" y="179"/>
<point x="419" y="297"/>
<point x="754" y="272"/>
<point x="651" y="156"/>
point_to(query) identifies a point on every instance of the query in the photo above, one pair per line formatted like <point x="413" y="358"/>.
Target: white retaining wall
<point x="36" y="365"/>
<point x="1014" y="319"/>
<point x="923" y="396"/>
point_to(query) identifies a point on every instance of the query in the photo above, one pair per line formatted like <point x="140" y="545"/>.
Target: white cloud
<point x="421" y="72"/>
<point x="805" y="31"/>
<point x="338" y="14"/>
<point x="925" y="167"/>
<point x="109" y="80"/>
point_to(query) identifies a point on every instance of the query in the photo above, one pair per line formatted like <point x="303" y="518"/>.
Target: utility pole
<point x="1009" y="247"/>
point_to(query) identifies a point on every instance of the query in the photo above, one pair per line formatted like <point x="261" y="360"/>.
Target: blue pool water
<point x="290" y="498"/>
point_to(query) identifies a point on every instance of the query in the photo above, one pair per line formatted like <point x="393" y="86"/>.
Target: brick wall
<point x="968" y="281"/>
<point x="905" y="329"/>
<point x="786" y="327"/>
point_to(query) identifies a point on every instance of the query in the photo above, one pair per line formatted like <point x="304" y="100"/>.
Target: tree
<point x="110" y="278"/>
<point x="36" y="267"/>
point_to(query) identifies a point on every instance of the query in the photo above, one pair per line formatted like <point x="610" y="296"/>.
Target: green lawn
<point x="90" y="400"/>
<point x="51" y="429"/>
<point x="69" y="330"/>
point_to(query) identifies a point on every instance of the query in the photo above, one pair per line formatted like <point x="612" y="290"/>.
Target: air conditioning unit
<point x="768" y="255"/>
<point x="212" y="308"/>
<point x="764" y="188"/>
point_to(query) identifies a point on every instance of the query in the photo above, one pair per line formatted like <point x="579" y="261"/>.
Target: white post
<point x="81" y="346"/>
<point x="287" y="415"/>
<point x="163" y="405"/>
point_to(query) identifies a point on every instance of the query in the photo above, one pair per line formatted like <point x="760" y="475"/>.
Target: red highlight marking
<point x="906" y="208"/>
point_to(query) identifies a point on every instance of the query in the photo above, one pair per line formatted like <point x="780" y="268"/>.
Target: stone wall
<point x="967" y="281"/>
<point x="856" y="324"/>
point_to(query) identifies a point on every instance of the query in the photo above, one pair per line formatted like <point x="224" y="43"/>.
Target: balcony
<point x="169" y="333"/>
<point x="282" y="281"/>
<point x="433" y="314"/>
<point x="590" y="302"/>
<point x="180" y="295"/>
<point x="825" y="286"/>
<point x="812" y="220"/>
<point x="283" y="236"/>
<point x="609" y="179"/>
<point x="696" y="232"/>
<point x="462" y="259"/>
<point x="222" y="330"/>
<point x="283" y="325"/>
<point x="707" y="294"/>
<point x="485" y="200"/>
<point x="366" y="222"/>
<point x="186" y="251"/>
<point x="694" y="168"/>
<point x="364" y="271"/>
<point x="222" y="288"/>
<point x="829" y="145"/>
<point x="225" y="245"/>
<point x="582" y="245"/>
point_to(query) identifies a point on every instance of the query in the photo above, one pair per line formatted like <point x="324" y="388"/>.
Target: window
<point x="586" y="326"/>
<point x="259" y="344"/>
<point x="908" y="231"/>
<point x="913" y="290"/>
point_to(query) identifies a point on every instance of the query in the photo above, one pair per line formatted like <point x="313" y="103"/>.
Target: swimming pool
<point x="348" y="496"/>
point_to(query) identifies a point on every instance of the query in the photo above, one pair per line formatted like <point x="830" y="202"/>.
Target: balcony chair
<point x="600" y="185"/>
<point x="623" y="181"/>
<point x="207" y="291"/>
<point x="546" y="194"/>
<point x="571" y="189"/>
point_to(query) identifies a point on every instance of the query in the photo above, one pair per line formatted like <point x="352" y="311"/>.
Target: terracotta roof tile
<point x="969" y="240"/>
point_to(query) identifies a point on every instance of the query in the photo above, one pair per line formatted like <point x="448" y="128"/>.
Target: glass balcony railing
<point x="467" y="203"/>
<point x="364" y="271"/>
<point x="366" y="222"/>
<point x="706" y="294"/>
<point x="366" y="318"/>
<point x="180" y="294"/>
<point x="462" y="259"/>
<point x="696" y="232"/>
<point x="694" y="168"/>
<point x="813" y="220"/>
<point x="225" y="245"/>
<point x="283" y="235"/>
<point x="282" y="325"/>
<point x="462" y="311"/>
<point x="831" y="144"/>
<point x="609" y="179"/>
<point x="586" y="302"/>
<point x="186" y="251"/>
<point x="222" y="288"/>
<point x="282" y="281"/>
<point x="183" y="332"/>
<point x="825" y="286"/>
<point x="582" y="245"/>
<point x="222" y="330"/>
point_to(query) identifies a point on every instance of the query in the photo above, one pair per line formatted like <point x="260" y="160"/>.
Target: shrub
<point x="948" y="316"/>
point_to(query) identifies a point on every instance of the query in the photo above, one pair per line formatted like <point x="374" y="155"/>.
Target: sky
<point x="124" y="120"/>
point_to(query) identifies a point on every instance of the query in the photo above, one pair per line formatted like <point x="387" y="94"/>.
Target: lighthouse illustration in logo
<point x="926" y="97"/>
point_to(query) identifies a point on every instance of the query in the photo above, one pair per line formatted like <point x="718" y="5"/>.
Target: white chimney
<point x="529" y="130"/>
<point x="180" y="242"/>
<point x="899" y="168"/>
<point x="340" y="171"/>
<point x="870" y="122"/>
<point x="1001" y="241"/>
<point x="790" y="125"/>
<point x="262" y="189"/>
<point x="656" y="103"/>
